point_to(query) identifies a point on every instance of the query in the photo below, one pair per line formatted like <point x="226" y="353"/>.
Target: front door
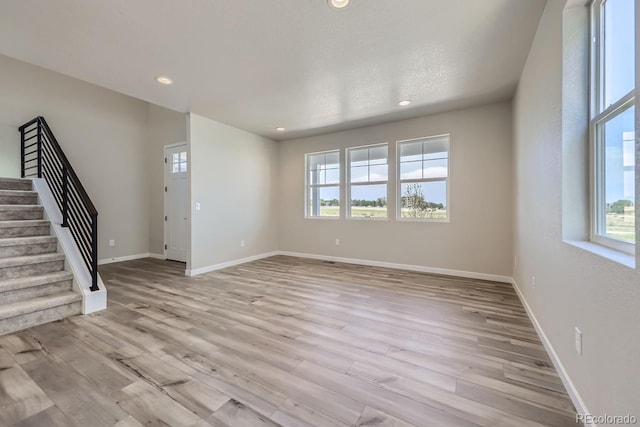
<point x="176" y="204"/>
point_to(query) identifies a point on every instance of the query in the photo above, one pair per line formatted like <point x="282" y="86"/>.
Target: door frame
<point x="164" y="193"/>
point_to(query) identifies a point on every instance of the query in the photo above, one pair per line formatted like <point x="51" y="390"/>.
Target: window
<point x="613" y="124"/>
<point x="323" y="184"/>
<point x="423" y="168"/>
<point x="368" y="176"/>
<point x="179" y="162"/>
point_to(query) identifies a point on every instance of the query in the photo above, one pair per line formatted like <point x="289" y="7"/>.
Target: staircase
<point x="34" y="288"/>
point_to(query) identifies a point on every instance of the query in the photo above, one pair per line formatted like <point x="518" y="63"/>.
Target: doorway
<point x="176" y="202"/>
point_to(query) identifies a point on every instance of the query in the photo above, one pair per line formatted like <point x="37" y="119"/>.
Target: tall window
<point x="613" y="124"/>
<point x="323" y="184"/>
<point x="368" y="176"/>
<point x="423" y="168"/>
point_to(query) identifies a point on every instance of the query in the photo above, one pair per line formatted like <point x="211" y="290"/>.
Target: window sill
<point x="331" y="218"/>
<point x="605" y="252"/>
<point x="371" y="218"/>
<point x="435" y="220"/>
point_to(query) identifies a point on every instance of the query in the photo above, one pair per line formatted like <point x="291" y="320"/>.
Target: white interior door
<point x="176" y="203"/>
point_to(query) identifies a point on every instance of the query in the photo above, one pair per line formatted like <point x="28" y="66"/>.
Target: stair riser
<point x="16" y="185"/>
<point x="30" y="269"/>
<point x="43" y="230"/>
<point x="28" y="320"/>
<point x="34" y="292"/>
<point x="31" y="199"/>
<point x="17" y="215"/>
<point x="22" y="250"/>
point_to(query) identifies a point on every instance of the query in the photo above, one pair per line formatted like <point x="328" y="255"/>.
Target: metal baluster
<point x="65" y="196"/>
<point x="39" y="149"/>
<point x="94" y="255"/>
<point x="22" y="152"/>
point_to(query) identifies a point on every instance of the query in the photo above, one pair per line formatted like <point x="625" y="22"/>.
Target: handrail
<point x="78" y="211"/>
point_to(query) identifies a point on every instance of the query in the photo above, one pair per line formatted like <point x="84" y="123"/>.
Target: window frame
<point x="181" y="164"/>
<point x="400" y="181"/>
<point x="599" y="116"/>
<point x="348" y="182"/>
<point x="308" y="186"/>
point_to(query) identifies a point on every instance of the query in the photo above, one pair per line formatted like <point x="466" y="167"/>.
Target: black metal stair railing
<point x="42" y="157"/>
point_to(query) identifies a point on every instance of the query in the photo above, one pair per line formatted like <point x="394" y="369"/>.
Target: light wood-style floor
<point x="285" y="341"/>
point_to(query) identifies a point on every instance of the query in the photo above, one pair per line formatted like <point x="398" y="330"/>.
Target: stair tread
<point x="18" y="193"/>
<point x="15" y="180"/>
<point x="26" y="240"/>
<point x="24" y="223"/>
<point x="31" y="281"/>
<point x="30" y="259"/>
<point x="37" y="304"/>
<point x="20" y="207"/>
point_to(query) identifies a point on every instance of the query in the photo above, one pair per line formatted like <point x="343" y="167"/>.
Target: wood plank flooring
<point x="285" y="342"/>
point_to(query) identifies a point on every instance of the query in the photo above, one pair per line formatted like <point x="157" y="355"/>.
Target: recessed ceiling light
<point x="405" y="102"/>
<point x="338" y="4"/>
<point x="164" y="80"/>
<point x="280" y="129"/>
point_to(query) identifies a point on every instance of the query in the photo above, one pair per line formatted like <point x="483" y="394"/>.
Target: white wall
<point x="103" y="134"/>
<point x="9" y="150"/>
<point x="233" y="177"/>
<point x="573" y="287"/>
<point x="164" y="127"/>
<point x="478" y="238"/>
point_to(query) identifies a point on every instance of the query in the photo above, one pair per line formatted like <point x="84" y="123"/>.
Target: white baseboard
<point x="410" y="267"/>
<point x="419" y="268"/>
<point x="226" y="264"/>
<point x="129" y="258"/>
<point x="562" y="372"/>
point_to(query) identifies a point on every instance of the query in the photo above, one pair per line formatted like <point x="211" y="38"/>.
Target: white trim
<point x="130" y="258"/>
<point x="231" y="263"/>
<point x="370" y="218"/>
<point x="74" y="263"/>
<point x="333" y="218"/>
<point x="605" y="252"/>
<point x="581" y="408"/>
<point x="409" y="267"/>
<point x="419" y="268"/>
<point x="409" y="219"/>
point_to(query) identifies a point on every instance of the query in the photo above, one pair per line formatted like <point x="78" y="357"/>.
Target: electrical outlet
<point x="197" y="206"/>
<point x="578" y="341"/>
<point x="112" y="242"/>
<point x="242" y="243"/>
<point x="533" y="282"/>
<point x="337" y="242"/>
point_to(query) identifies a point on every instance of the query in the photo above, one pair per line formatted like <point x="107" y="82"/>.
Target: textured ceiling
<point x="258" y="64"/>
